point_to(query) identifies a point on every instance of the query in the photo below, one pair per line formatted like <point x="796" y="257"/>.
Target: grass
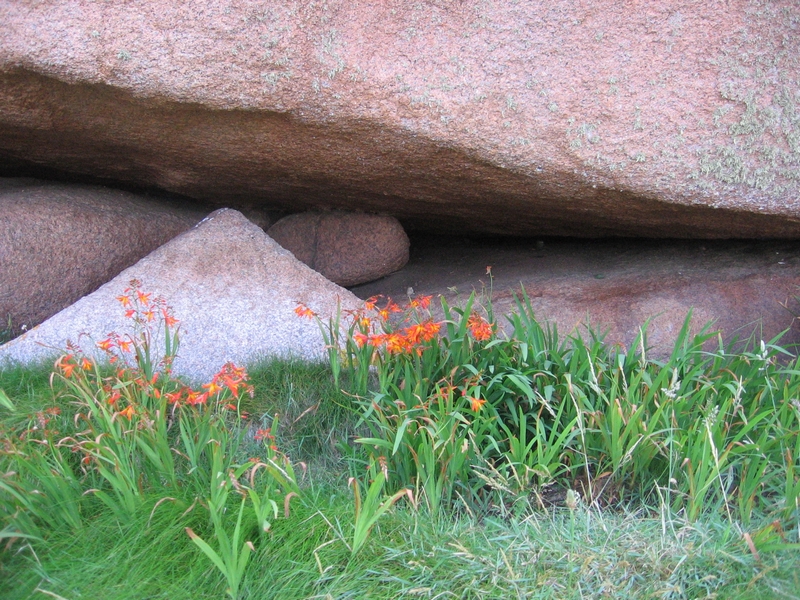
<point x="588" y="554"/>
<point x="430" y="460"/>
<point x="551" y="553"/>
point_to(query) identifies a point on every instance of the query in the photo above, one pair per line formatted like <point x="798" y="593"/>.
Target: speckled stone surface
<point x="567" y="117"/>
<point x="233" y="289"/>
<point x="59" y="242"/>
<point x="347" y="248"/>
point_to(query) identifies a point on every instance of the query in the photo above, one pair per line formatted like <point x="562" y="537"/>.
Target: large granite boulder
<point x="347" y="248"/>
<point x="233" y="289"/>
<point x="663" y="119"/>
<point x="59" y="242"/>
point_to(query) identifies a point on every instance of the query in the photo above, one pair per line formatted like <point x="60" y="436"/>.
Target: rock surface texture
<point x="59" y="242"/>
<point x="590" y="118"/>
<point x="232" y="287"/>
<point x="347" y="248"/>
<point x="743" y="288"/>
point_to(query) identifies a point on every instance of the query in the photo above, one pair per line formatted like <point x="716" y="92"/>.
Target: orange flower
<point x="195" y="398"/>
<point x="431" y="330"/>
<point x="422" y="332"/>
<point x="360" y="339"/>
<point x="391" y="307"/>
<point x="128" y="411"/>
<point x="369" y="303"/>
<point x="86" y="364"/>
<point x="124" y="345"/>
<point x="66" y="367"/>
<point x="143" y="298"/>
<point x="124" y="300"/>
<point x="149" y="314"/>
<point x="129" y="313"/>
<point x="396" y="343"/>
<point x="106" y="344"/>
<point x="476" y="403"/>
<point x="414" y="333"/>
<point x="174" y="397"/>
<point x="303" y="311"/>
<point x="213" y="388"/>
<point x="480" y="329"/>
<point x="264" y="434"/>
<point x="169" y="320"/>
<point x="421" y="302"/>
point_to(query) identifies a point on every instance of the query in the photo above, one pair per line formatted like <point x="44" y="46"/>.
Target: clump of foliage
<point x="462" y="415"/>
<point x="133" y="431"/>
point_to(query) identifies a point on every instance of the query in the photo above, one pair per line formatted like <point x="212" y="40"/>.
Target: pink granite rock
<point x="590" y="118"/>
<point x="59" y="242"/>
<point x="347" y="248"/>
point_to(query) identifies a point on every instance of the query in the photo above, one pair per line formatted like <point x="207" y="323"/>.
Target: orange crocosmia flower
<point x="149" y="315"/>
<point x="476" y="403"/>
<point x="421" y="302"/>
<point x="360" y="339"/>
<point x="232" y="384"/>
<point x="369" y="303"/>
<point x="231" y="407"/>
<point x="422" y="332"/>
<point x="86" y="364"/>
<point x="105" y="344"/>
<point x="430" y="330"/>
<point x="481" y="329"/>
<point x="124" y="300"/>
<point x="303" y="311"/>
<point x="396" y="343"/>
<point x="263" y="434"/>
<point x="143" y="298"/>
<point x="128" y="411"/>
<point x="66" y="367"/>
<point x="414" y="333"/>
<point x="129" y="313"/>
<point x="124" y="345"/>
<point x="195" y="398"/>
<point x="213" y="388"/>
<point x="169" y="320"/>
<point x="391" y="307"/>
<point x="174" y="397"/>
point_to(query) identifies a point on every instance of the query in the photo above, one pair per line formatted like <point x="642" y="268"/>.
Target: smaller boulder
<point x="347" y="248"/>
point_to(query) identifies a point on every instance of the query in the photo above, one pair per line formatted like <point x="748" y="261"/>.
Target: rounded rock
<point x="347" y="248"/>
